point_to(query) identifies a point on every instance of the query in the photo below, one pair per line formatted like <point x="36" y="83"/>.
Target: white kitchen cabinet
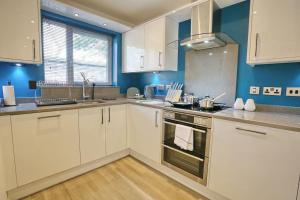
<point x="274" y="32"/>
<point x="152" y="46"/>
<point x="7" y="161"/>
<point x="134" y="49"/>
<point x="20" y="31"/>
<point x="116" y="138"/>
<point x="253" y="162"/>
<point x="45" y="144"/>
<point x="145" y="131"/>
<point x="92" y="134"/>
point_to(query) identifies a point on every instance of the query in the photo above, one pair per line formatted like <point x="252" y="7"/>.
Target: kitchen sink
<point x="151" y="102"/>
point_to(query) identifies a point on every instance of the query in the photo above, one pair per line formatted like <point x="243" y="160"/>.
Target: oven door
<point x="190" y="163"/>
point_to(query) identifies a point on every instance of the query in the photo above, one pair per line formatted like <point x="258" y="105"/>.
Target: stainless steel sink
<point x="96" y="101"/>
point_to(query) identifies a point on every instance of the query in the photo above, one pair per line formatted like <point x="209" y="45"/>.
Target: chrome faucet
<point x="84" y="83"/>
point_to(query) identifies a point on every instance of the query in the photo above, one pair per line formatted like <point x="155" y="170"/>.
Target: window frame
<point x="70" y="29"/>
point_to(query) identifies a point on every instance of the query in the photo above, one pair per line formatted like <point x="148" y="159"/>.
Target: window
<point x="69" y="51"/>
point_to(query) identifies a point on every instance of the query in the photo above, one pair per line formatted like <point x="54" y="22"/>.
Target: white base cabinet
<point x="45" y="144"/>
<point x="116" y="138"/>
<point x="20" y="31"/>
<point x="253" y="162"/>
<point x="145" y="131"/>
<point x="92" y="134"/>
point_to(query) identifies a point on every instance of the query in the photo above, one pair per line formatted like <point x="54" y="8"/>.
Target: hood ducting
<point x="205" y="28"/>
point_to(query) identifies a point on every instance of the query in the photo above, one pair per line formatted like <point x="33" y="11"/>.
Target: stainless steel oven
<point x="193" y="164"/>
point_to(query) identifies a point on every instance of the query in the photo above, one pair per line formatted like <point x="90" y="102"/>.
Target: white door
<point x="274" y="31"/>
<point x="6" y="147"/>
<point x="116" y="139"/>
<point x="145" y="130"/>
<point x="253" y="162"/>
<point x="20" y="31"/>
<point x="155" y="44"/>
<point x="92" y="134"/>
<point x="45" y="144"/>
<point x="134" y="50"/>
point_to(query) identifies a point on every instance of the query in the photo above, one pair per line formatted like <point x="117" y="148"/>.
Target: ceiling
<point x="129" y="12"/>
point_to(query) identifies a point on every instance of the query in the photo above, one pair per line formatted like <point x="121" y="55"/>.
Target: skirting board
<point x="42" y="184"/>
<point x="178" y="177"/>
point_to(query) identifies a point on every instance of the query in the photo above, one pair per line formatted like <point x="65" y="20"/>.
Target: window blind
<point x="69" y="51"/>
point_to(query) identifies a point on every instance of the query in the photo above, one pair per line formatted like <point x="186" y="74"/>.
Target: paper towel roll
<point x="9" y="95"/>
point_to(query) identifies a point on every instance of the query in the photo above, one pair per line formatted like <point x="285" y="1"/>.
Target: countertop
<point x="286" y="121"/>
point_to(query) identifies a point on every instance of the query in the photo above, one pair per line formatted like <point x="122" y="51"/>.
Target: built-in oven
<point x="193" y="164"/>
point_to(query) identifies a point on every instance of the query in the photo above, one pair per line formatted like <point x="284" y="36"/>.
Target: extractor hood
<point x="205" y="28"/>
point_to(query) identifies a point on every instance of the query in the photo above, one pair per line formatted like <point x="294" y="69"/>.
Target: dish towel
<point x="184" y="137"/>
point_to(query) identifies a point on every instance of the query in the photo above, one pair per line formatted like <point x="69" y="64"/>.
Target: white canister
<point x="239" y="104"/>
<point x="250" y="105"/>
<point x="9" y="95"/>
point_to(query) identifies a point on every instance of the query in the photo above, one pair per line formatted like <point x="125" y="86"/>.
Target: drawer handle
<point x="159" y="59"/>
<point x="298" y="191"/>
<point x="194" y="129"/>
<point x="102" y="120"/>
<point x="251" y="131"/>
<point x="50" y="116"/>
<point x="156" y="119"/>
<point x="33" y="49"/>
<point x="256" y="43"/>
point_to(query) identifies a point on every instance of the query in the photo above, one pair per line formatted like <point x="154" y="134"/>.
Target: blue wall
<point x="234" y="22"/>
<point x="19" y="76"/>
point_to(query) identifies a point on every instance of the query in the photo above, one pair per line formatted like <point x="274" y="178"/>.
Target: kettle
<point x="149" y="92"/>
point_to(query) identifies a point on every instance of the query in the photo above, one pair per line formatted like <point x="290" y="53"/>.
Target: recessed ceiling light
<point x="206" y="41"/>
<point x="104" y="24"/>
<point x="76" y="14"/>
<point x="225" y="51"/>
<point x="210" y="54"/>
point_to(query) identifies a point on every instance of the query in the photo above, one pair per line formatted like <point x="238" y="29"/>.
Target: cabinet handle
<point x="109" y="114"/>
<point x="159" y="58"/>
<point x="298" y="191"/>
<point x="33" y="48"/>
<point x="251" y="131"/>
<point x="142" y="61"/>
<point x="50" y="116"/>
<point x="102" y="120"/>
<point x="156" y="118"/>
<point x="256" y="43"/>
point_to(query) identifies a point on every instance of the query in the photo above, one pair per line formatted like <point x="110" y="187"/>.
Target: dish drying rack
<point x="174" y="92"/>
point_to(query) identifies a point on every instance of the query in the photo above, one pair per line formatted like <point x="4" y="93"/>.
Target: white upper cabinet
<point x="116" y="138"/>
<point x="151" y="46"/>
<point x="134" y="49"/>
<point x="254" y="162"/>
<point x="20" y="31"/>
<point x="145" y="131"/>
<point x="45" y="144"/>
<point x="274" y="32"/>
<point x="92" y="134"/>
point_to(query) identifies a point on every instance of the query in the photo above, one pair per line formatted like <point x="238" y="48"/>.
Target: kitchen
<point x="129" y="100"/>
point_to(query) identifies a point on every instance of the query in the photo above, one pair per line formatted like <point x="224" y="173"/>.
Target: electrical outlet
<point x="272" y="91"/>
<point x="293" y="91"/>
<point x="254" y="90"/>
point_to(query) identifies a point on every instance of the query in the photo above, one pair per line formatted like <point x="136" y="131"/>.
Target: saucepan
<point x="208" y="102"/>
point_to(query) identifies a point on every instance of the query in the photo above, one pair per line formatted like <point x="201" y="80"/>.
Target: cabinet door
<point x="274" y="31"/>
<point x="155" y="44"/>
<point x="92" y="134"/>
<point x="252" y="162"/>
<point x="133" y="49"/>
<point x="45" y="144"/>
<point x="116" y="139"/>
<point x="20" y="31"/>
<point x="145" y="130"/>
<point x="6" y="146"/>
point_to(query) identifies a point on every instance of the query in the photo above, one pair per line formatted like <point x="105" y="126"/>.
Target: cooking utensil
<point x="208" y="102"/>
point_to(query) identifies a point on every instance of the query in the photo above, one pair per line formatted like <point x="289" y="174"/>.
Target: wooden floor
<point x="124" y="179"/>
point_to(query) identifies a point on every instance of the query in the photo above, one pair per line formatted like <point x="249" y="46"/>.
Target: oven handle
<point x="194" y="129"/>
<point x="196" y="158"/>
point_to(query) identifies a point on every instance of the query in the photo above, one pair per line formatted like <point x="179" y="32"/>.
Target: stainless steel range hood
<point x="205" y="28"/>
